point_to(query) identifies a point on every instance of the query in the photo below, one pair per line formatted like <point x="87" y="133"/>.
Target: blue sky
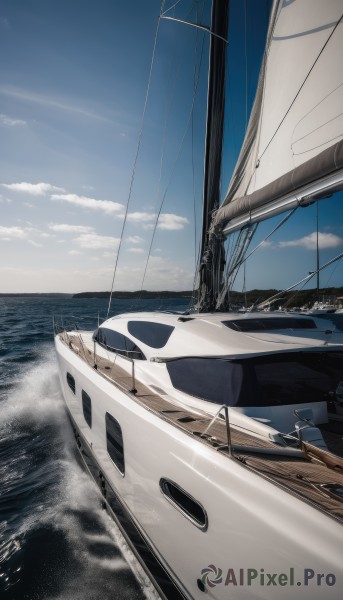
<point x="73" y="79"/>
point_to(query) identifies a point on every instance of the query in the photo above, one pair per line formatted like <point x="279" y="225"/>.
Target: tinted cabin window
<point x="279" y="379"/>
<point x="117" y="342"/>
<point x="218" y="381"/>
<point x="87" y="408"/>
<point x="71" y="382"/>
<point x="270" y="324"/>
<point x="115" y="445"/>
<point x="154" y="335"/>
<point x="184" y="502"/>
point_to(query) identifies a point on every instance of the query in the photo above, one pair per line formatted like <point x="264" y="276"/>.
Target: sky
<point x="73" y="83"/>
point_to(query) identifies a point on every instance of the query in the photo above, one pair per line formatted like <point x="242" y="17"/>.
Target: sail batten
<point x="295" y="133"/>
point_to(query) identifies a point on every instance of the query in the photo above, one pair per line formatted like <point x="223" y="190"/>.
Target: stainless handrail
<point x="228" y="429"/>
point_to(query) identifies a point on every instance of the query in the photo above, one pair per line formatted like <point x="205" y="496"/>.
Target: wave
<point x="57" y="543"/>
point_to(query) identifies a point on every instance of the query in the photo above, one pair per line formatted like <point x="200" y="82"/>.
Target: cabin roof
<point x="225" y="334"/>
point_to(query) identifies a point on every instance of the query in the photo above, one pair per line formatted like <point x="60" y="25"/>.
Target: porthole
<point x="71" y="382"/>
<point x="87" y="408"/>
<point x="114" y="441"/>
<point x="185" y="503"/>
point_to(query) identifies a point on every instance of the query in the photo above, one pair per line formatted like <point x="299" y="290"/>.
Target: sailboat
<point x="214" y="436"/>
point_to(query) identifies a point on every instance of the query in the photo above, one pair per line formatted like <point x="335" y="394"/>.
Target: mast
<point x="212" y="258"/>
<point x="317" y="219"/>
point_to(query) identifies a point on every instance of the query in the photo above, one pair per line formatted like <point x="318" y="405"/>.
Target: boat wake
<point x="57" y="542"/>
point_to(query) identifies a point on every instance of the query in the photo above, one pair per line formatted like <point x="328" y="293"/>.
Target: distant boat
<point x="216" y="437"/>
<point x="322" y="307"/>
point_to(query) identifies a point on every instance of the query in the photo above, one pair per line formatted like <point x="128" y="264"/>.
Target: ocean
<point x="56" y="541"/>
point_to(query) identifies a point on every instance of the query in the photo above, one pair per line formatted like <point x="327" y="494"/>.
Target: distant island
<point x="297" y="298"/>
<point x="139" y="294"/>
<point x="34" y="295"/>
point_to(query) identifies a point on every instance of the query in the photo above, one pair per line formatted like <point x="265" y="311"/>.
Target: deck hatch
<point x="184" y="502"/>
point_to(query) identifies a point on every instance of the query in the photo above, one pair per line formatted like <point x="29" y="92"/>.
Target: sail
<point x="293" y="148"/>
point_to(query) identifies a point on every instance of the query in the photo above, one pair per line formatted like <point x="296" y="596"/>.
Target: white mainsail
<point x="293" y="148"/>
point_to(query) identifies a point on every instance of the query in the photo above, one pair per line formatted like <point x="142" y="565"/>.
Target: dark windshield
<point x="275" y="380"/>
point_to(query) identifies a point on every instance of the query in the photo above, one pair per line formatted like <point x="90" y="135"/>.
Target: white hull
<point x="252" y="523"/>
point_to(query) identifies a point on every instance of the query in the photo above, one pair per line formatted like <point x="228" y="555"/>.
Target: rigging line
<point x="171" y="7"/>
<point x="331" y="274"/>
<point x="299" y="90"/>
<point x="196" y="26"/>
<point x="225" y="286"/>
<point x="135" y="160"/>
<point x="246" y="65"/>
<point x="244" y="246"/>
<point x="173" y="167"/>
<point x="307" y="278"/>
<point x="291" y="298"/>
<point x="170" y="96"/>
<point x="268" y="236"/>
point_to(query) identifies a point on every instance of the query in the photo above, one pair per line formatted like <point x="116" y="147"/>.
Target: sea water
<point x="56" y="541"/>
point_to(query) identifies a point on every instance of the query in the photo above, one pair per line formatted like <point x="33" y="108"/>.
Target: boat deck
<point x="303" y="474"/>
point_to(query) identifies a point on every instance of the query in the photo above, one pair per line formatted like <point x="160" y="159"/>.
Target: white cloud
<point x="29" y="205"/>
<point x="267" y="244"/>
<point x="34" y="189"/>
<point x="35" y="244"/>
<point x="15" y="233"/>
<point x="309" y="242"/>
<point x="63" y="227"/>
<point x="3" y="199"/>
<point x="166" y="221"/>
<point x="135" y="239"/>
<point x="136" y="250"/>
<point x="9" y="122"/>
<point x="93" y="240"/>
<point x="171" y="222"/>
<point x="106" y="206"/>
<point x="138" y="217"/>
<point x="7" y="233"/>
<point x="74" y="252"/>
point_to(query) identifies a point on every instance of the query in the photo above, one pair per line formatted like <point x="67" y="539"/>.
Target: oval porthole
<point x="185" y="503"/>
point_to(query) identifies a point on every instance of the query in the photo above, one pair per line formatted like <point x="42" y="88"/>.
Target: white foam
<point x="37" y="399"/>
